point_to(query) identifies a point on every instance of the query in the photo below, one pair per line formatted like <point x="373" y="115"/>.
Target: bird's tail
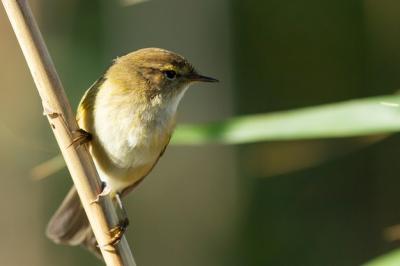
<point x="70" y="226"/>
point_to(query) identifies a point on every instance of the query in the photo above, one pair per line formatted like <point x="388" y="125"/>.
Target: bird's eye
<point x="170" y="74"/>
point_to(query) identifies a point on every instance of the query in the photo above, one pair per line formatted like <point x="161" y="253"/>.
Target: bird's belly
<point x="126" y="167"/>
<point x="125" y="155"/>
<point x="117" y="179"/>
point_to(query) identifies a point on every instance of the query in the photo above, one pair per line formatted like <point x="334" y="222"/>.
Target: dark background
<point x="319" y="202"/>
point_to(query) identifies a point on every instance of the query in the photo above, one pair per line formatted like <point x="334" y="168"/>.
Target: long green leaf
<point x="346" y="119"/>
<point x="390" y="259"/>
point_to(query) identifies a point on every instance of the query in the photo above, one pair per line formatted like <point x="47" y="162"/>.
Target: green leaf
<point x="132" y="2"/>
<point x="389" y="259"/>
<point x="346" y="119"/>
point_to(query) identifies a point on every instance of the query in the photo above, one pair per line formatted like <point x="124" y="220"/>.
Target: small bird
<point x="127" y="117"/>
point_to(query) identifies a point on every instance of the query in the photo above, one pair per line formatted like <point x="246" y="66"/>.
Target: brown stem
<point x="102" y="216"/>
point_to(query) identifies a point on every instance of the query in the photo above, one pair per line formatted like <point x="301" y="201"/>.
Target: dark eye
<point x="170" y="74"/>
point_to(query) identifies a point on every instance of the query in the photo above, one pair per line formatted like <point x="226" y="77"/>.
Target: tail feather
<point x="70" y="226"/>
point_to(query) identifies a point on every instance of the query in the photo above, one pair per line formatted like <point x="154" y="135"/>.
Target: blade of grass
<point x="390" y="259"/>
<point x="132" y="2"/>
<point x="360" y="117"/>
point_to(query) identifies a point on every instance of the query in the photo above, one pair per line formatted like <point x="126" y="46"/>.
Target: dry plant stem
<point x="102" y="216"/>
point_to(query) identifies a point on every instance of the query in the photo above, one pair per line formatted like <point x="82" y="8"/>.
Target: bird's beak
<point x="201" y="78"/>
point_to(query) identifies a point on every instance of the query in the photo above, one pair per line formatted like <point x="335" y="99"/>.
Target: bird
<point x="126" y="118"/>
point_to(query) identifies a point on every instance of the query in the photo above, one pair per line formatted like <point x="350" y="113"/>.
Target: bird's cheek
<point x="158" y="79"/>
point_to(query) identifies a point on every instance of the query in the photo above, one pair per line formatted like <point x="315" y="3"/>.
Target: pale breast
<point x="129" y="137"/>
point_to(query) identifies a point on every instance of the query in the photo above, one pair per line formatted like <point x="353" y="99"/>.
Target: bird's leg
<point x="124" y="214"/>
<point x="81" y="137"/>
<point x="118" y="231"/>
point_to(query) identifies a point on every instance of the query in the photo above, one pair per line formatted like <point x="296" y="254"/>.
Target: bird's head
<point x="155" y="72"/>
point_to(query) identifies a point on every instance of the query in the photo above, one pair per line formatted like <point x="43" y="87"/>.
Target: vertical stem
<point x="101" y="216"/>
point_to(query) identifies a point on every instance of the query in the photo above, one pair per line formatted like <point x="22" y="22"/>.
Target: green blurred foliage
<point x="291" y="54"/>
<point x="289" y="204"/>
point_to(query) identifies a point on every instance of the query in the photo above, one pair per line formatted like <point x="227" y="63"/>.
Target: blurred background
<point x="317" y="202"/>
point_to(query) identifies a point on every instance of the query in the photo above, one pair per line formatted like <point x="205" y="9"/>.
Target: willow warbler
<point x="129" y="114"/>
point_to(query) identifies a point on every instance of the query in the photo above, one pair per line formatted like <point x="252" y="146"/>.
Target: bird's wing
<point x="128" y="189"/>
<point x="86" y="105"/>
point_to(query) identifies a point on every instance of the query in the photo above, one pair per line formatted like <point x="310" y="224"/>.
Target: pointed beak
<point x="201" y="78"/>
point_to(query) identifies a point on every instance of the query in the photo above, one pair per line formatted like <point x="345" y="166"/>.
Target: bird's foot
<point x="81" y="137"/>
<point x="118" y="231"/>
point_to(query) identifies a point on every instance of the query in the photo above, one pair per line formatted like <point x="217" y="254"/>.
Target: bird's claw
<point x="117" y="232"/>
<point x="81" y="137"/>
